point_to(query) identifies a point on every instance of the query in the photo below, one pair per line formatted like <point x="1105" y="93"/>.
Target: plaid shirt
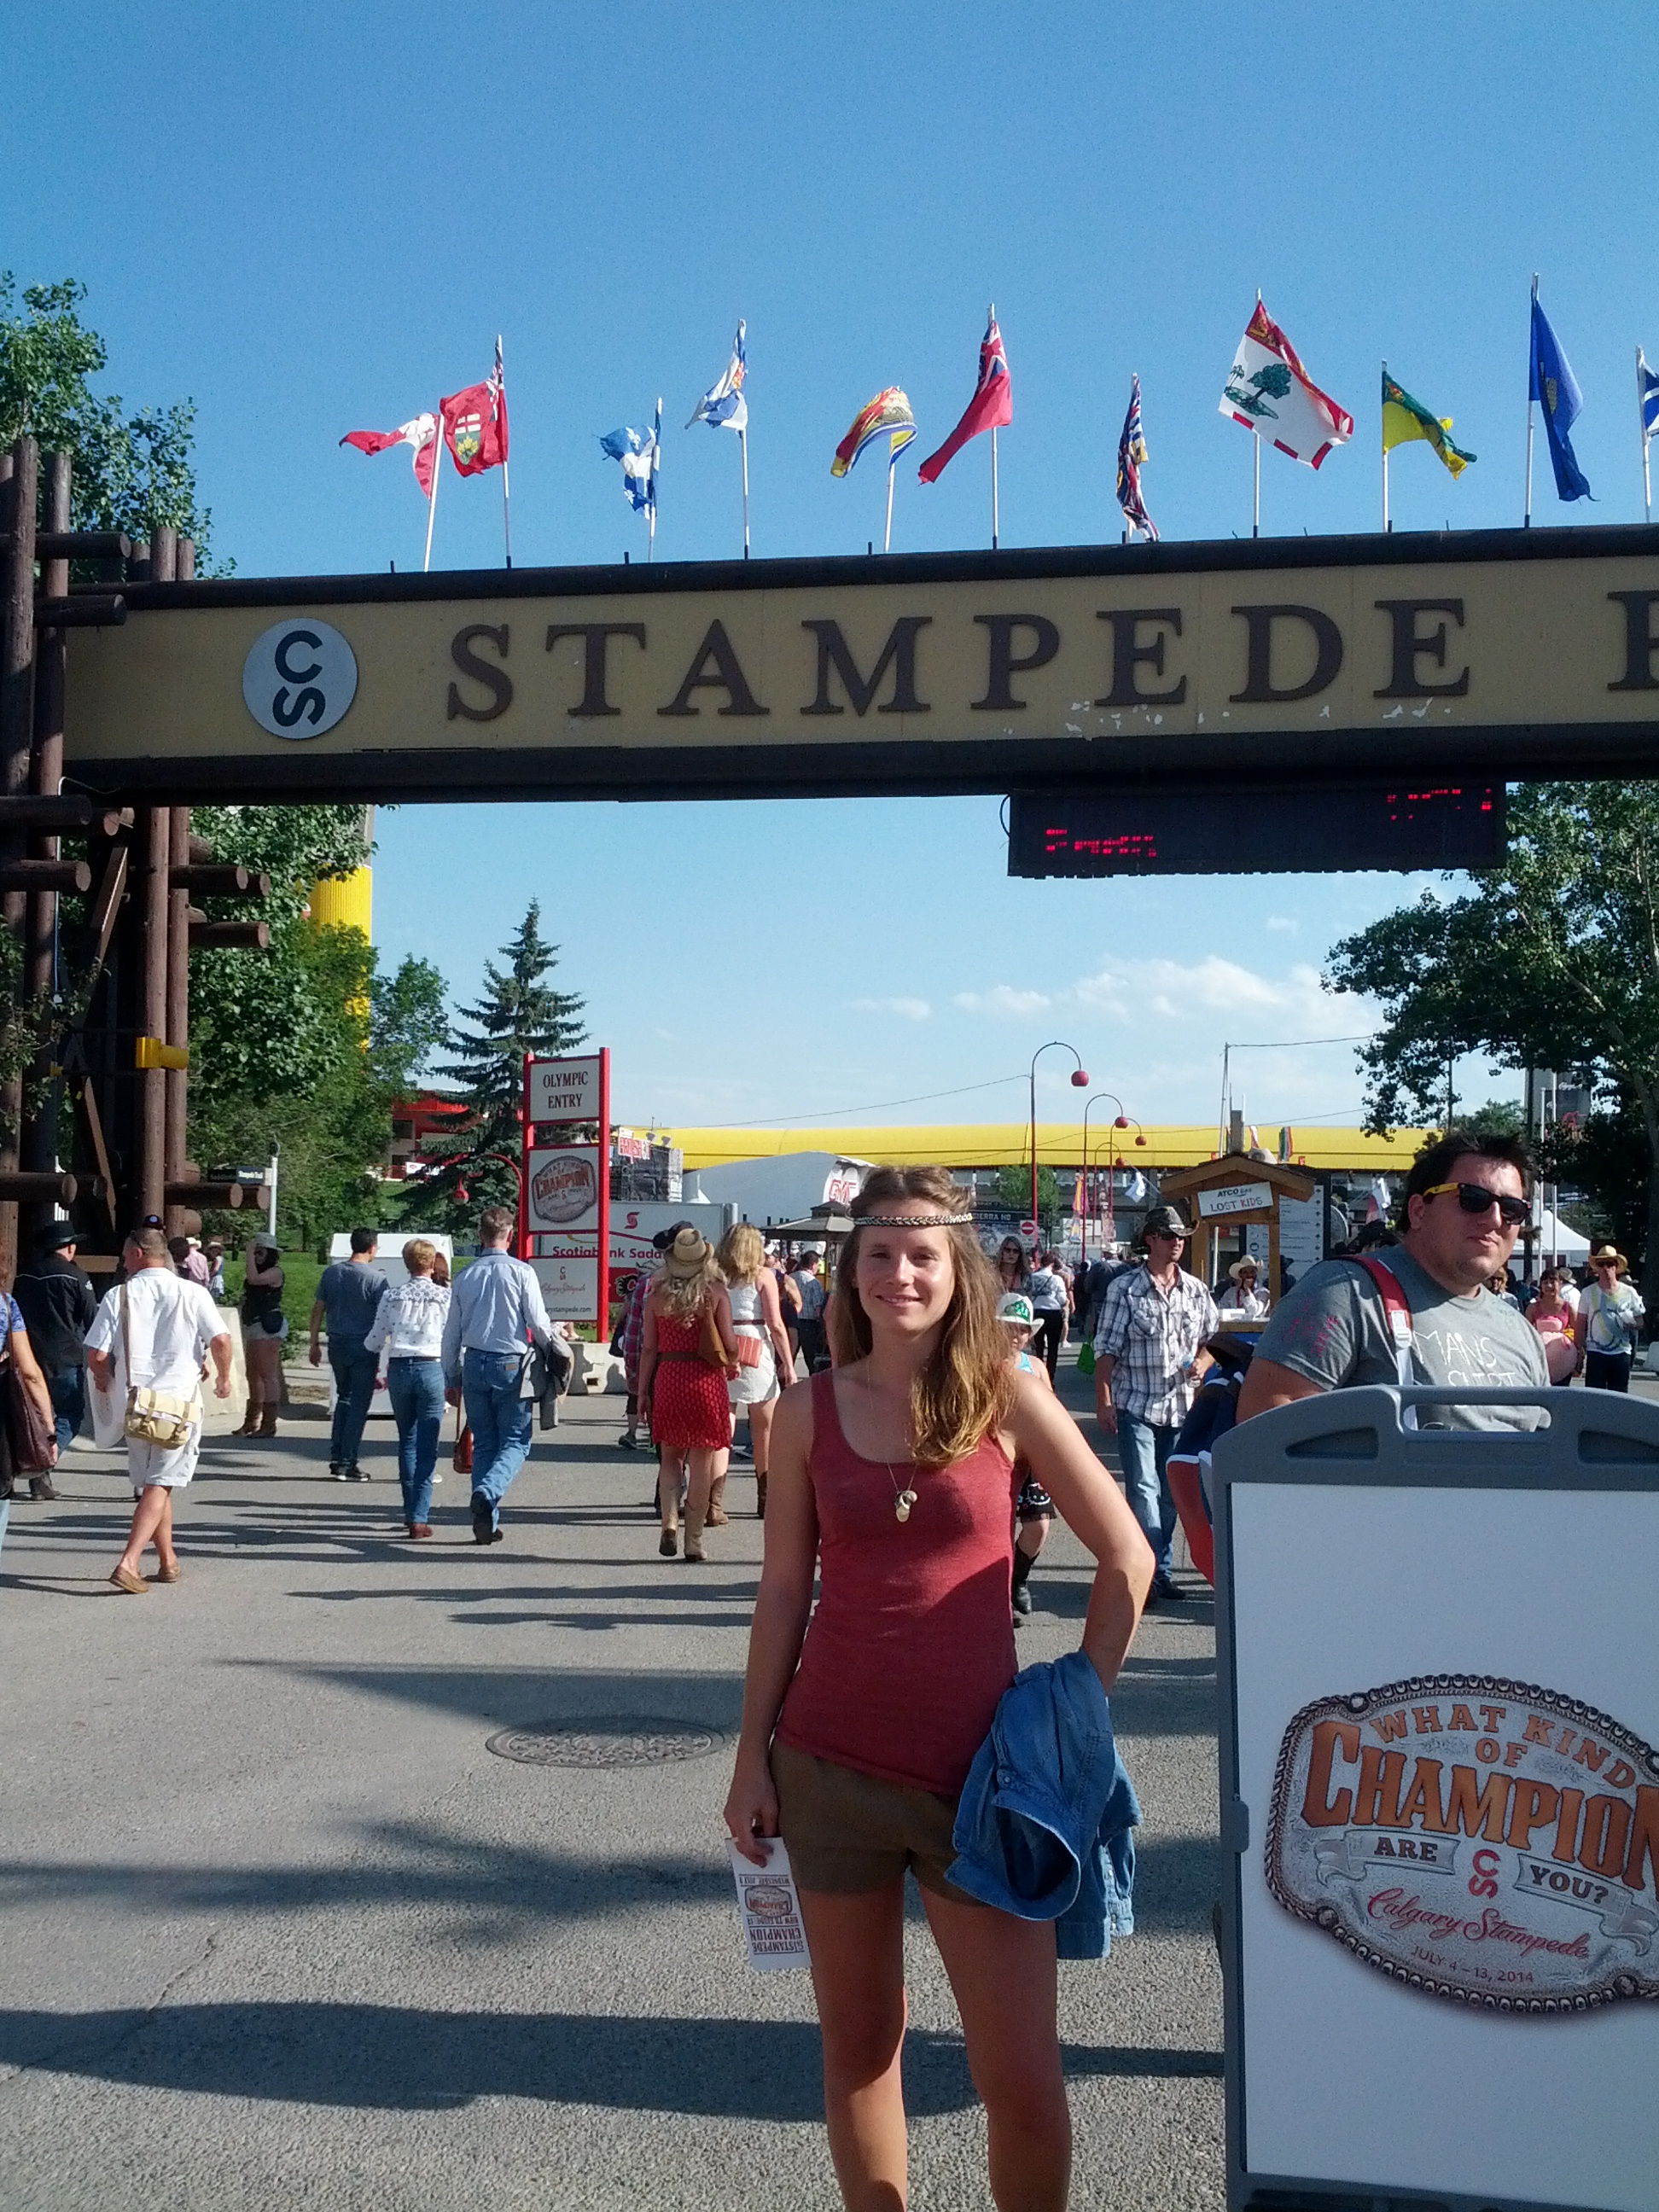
<point x="1152" y="1335"/>
<point x="634" y="1328"/>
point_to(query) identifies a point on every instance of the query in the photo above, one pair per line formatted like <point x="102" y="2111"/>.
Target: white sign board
<point x="565" y="1090"/>
<point x="1234" y="1198"/>
<point x="570" y="1281"/>
<point x="1446" y="1818"/>
<point x="562" y="1192"/>
<point x="1301" y="1235"/>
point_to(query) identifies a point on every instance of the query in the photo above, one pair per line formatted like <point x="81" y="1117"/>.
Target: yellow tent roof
<point x="1060" y="1145"/>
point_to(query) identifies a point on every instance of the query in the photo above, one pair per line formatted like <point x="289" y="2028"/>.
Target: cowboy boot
<point x="250" y="1419"/>
<point x="718" y="1516"/>
<point x="268" y="1423"/>
<point x="760" y="1498"/>
<point x="694" y="1552"/>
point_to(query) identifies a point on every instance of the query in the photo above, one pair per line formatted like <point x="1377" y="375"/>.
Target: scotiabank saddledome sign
<point x="1475" y="1839"/>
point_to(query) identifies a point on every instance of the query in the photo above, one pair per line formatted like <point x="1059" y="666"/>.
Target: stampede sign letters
<point x="1478" y="1839"/>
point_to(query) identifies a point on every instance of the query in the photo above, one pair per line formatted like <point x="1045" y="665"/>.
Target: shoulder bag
<point x="154" y="1416"/>
<point x="28" y="1438"/>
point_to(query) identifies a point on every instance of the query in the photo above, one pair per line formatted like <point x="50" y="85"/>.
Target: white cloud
<point x="1004" y="999"/>
<point x="911" y="1009"/>
<point x="1283" y="925"/>
<point x="1176" y="989"/>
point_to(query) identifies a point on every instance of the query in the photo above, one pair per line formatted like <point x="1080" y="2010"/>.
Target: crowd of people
<point x="911" y="1480"/>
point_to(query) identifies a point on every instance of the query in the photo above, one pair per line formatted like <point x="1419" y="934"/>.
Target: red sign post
<point x="565" y="1207"/>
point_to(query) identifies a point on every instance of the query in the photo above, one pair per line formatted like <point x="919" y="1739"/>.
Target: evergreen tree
<point x="520" y="1011"/>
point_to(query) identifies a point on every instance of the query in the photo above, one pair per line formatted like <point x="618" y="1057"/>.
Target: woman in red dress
<point x="893" y="1477"/>
<point x="686" y="1393"/>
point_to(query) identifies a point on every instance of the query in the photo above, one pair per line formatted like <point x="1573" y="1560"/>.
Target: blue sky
<point x="315" y="219"/>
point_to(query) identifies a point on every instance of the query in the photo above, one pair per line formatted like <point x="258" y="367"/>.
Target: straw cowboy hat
<point x="1609" y="1252"/>
<point x="1247" y="1266"/>
<point x="688" y="1255"/>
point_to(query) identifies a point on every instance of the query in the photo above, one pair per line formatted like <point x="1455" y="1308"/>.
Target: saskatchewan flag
<point x="1405" y="418"/>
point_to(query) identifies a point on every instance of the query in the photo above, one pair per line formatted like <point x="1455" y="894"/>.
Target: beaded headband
<point x="911" y="1220"/>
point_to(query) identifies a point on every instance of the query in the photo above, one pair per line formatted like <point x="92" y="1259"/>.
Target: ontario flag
<point x="474" y="423"/>
<point x="991" y="408"/>
<point x="421" y="434"/>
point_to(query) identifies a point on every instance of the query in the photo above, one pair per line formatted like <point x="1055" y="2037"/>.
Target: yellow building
<point x="1059" y="1145"/>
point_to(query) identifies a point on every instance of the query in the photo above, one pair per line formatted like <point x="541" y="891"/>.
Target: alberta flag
<point x="1270" y="392"/>
<point x="1551" y="382"/>
<point x="723" y="407"/>
<point x="638" y="450"/>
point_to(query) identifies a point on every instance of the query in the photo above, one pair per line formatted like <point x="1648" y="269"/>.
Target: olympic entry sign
<point x="1330" y="663"/>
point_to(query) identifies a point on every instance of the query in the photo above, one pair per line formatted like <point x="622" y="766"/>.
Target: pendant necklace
<point x="903" y="1499"/>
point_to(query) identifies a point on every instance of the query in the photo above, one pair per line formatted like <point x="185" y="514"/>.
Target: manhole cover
<point x="605" y="1740"/>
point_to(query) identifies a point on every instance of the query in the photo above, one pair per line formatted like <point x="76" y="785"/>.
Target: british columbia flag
<point x="1131" y="459"/>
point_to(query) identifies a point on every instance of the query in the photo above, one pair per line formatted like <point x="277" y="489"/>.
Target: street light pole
<point x="1079" y="1082"/>
<point x="1120" y="1123"/>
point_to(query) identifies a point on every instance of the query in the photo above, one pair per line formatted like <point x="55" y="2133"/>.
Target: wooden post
<point x="17" y="510"/>
<point x="174" y="1029"/>
<point x="38" y="1152"/>
<point x="1273" y="1255"/>
<point x="150" y="1193"/>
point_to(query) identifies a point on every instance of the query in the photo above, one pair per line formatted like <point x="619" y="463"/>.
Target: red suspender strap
<point x="1398" y="1313"/>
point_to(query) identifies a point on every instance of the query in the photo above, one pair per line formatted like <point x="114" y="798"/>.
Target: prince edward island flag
<point x="1269" y="392"/>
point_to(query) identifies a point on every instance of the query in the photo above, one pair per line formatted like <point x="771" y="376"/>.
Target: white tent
<point x="1552" y="1236"/>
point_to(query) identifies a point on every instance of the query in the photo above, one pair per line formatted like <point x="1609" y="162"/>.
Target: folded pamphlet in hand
<point x="770" y="1908"/>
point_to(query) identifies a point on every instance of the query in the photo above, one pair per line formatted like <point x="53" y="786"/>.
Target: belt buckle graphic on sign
<point x="1475" y="1839"/>
<point x="299" y="677"/>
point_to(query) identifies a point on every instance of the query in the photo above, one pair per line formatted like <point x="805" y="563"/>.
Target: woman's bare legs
<point x="858" y="1976"/>
<point x="1002" y="1975"/>
<point x="760" y="1433"/>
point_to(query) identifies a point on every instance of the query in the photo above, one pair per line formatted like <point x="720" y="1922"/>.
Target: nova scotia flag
<point x="723" y="407"/>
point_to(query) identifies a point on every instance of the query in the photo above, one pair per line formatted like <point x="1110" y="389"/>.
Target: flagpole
<point x="1642" y="431"/>
<point x="887" y="540"/>
<point x="994" y="487"/>
<point x="507" y="510"/>
<point x="432" y="501"/>
<point x="1532" y="371"/>
<point x="743" y="448"/>
<point x="1255" y="520"/>
<point x="1386" y="525"/>
<point x="656" y="466"/>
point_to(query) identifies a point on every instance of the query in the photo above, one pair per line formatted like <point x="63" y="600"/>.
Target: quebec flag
<point x="723" y="407"/>
<point x="638" y="452"/>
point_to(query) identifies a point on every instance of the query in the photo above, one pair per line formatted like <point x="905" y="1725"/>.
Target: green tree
<point x="1553" y="961"/>
<point x="520" y="1011"/>
<point x="132" y="471"/>
<point x="1013" y="1188"/>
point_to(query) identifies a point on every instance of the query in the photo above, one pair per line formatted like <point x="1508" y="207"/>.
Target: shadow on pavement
<point x="496" y="1695"/>
<point x="389" y="2059"/>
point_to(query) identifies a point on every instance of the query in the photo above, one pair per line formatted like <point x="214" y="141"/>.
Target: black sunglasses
<point x="1475" y="1198"/>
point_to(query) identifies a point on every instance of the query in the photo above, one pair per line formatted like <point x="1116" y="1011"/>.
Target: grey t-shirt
<point x="348" y="1295"/>
<point x="1332" y="1328"/>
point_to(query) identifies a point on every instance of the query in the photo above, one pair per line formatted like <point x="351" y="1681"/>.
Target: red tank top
<point x="912" y="1641"/>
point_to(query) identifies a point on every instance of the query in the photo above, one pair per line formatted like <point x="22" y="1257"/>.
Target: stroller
<point x="1214" y="1409"/>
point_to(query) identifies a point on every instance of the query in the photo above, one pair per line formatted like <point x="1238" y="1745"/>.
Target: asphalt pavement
<point x="279" y="1928"/>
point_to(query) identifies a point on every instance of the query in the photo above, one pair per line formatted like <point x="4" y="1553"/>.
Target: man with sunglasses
<point x="1607" y="1322"/>
<point x="1464" y="1204"/>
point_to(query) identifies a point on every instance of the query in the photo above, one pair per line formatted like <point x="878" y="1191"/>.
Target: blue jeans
<point x="1144" y="1451"/>
<point x="415" y="1388"/>
<point x="355" y="1370"/>
<point x="68" y="1386"/>
<point x="500" y="1421"/>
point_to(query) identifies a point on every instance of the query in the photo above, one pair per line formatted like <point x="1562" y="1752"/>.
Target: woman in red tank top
<point x="892" y="1477"/>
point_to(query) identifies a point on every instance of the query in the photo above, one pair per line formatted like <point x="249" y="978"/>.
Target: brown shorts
<point x="848" y="1832"/>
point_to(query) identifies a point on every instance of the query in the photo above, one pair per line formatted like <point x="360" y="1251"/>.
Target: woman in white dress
<point x="763" y="1354"/>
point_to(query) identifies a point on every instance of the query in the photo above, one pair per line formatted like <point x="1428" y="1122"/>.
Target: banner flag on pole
<point x="1553" y="383"/>
<point x="1131" y="459"/>
<point x="1405" y="418"/>
<point x="421" y="434"/>
<point x="474" y="425"/>
<point x="889" y="413"/>
<point x="638" y="452"/>
<point x="1270" y="392"/>
<point x="723" y="407"/>
<point x="991" y="408"/>
<point x="1648" y="383"/>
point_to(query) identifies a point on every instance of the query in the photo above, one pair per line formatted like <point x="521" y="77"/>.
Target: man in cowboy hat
<point x="57" y="1305"/>
<point x="1244" y="1297"/>
<point x="1605" y="1328"/>
<point x="1152" y="1322"/>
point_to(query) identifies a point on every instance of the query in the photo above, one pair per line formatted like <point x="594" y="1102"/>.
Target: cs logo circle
<point x="300" y="678"/>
